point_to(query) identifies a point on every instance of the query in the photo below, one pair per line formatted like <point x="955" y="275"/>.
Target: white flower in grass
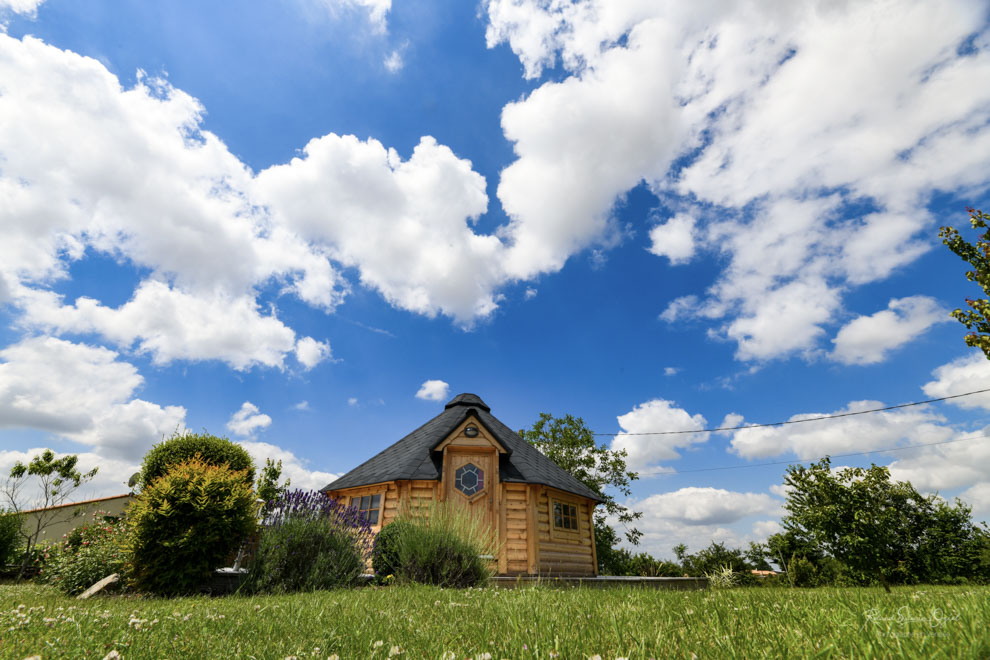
<point x="112" y="655"/>
<point x="394" y="651"/>
<point x="483" y="656"/>
<point x="447" y="655"/>
<point x="333" y="657"/>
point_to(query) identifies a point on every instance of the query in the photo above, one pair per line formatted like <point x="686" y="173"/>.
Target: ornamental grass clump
<point x="444" y="545"/>
<point x="308" y="542"/>
<point x="86" y="555"/>
<point x="723" y="578"/>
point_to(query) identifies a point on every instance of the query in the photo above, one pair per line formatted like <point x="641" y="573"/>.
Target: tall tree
<point x="977" y="317"/>
<point x="56" y="480"/>
<point x="569" y="443"/>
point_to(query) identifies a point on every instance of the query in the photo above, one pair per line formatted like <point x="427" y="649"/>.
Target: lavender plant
<point x="309" y="541"/>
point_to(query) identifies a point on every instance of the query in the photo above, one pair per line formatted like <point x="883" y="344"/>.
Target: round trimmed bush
<point x="181" y="447"/>
<point x="385" y="554"/>
<point x="185" y="523"/>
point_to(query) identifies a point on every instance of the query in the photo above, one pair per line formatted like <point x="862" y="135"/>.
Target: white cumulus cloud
<point x="647" y="451"/>
<point x="966" y="374"/>
<point x="433" y="390"/>
<point x="82" y="393"/>
<point x="295" y="468"/>
<point x="806" y="142"/>
<point x="696" y="516"/>
<point x="867" y="432"/>
<point x="868" y="339"/>
<point x="674" y="239"/>
<point x="248" y="419"/>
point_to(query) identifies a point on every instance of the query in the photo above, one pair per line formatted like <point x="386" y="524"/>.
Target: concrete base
<point x="602" y="581"/>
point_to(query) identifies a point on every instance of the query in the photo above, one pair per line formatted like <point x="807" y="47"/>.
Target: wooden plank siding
<point x="515" y="546"/>
<point x="564" y="553"/>
<point x="529" y="544"/>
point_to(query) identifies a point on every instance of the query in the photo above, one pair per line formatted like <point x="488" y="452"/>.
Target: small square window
<point x="369" y="506"/>
<point x="565" y="516"/>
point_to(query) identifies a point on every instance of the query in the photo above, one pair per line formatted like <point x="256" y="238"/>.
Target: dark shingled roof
<point x="413" y="457"/>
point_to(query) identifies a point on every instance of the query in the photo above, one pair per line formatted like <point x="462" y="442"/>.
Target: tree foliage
<point x="977" y="317"/>
<point x="55" y="480"/>
<point x="10" y="537"/>
<point x="879" y="529"/>
<point x="569" y="443"/>
<point x="185" y="445"/>
<point x="268" y="487"/>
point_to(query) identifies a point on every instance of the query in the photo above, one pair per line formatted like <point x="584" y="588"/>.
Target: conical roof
<point x="414" y="456"/>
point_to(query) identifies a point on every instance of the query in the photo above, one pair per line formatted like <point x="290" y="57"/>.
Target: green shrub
<point x="646" y="565"/>
<point x="182" y="447"/>
<point x="385" y="553"/>
<point x="10" y="538"/>
<point x="309" y="542"/>
<point x="802" y="572"/>
<point x="86" y="555"/>
<point x="186" y="522"/>
<point x="443" y="545"/>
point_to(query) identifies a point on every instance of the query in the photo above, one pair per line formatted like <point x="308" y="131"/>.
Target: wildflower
<point x="394" y="651"/>
<point x="333" y="657"/>
<point x="112" y="655"/>
<point x="378" y="644"/>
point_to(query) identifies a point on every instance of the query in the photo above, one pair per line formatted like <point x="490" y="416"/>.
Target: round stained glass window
<point x="469" y="479"/>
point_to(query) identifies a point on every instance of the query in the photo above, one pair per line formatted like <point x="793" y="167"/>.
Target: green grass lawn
<point x="540" y="622"/>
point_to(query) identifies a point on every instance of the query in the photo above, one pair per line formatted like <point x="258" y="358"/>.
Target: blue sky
<point x="308" y="225"/>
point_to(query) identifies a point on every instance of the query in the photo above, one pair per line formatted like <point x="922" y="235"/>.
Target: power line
<point x="801" y="421"/>
<point x="856" y="453"/>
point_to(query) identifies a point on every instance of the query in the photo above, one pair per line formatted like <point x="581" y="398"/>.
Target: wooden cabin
<point x="542" y="515"/>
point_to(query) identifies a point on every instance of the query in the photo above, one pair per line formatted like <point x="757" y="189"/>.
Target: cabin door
<point x="470" y="482"/>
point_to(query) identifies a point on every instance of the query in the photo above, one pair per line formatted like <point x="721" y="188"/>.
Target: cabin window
<point x="369" y="506"/>
<point x="469" y="479"/>
<point x="565" y="516"/>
